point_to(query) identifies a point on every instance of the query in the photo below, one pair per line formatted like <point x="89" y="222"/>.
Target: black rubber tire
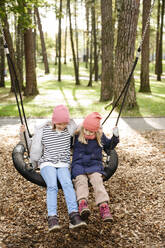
<point x="111" y="165"/>
<point x="18" y="160"/>
<point x="36" y="178"/>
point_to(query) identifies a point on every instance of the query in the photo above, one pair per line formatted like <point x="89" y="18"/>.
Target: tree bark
<point x="72" y="46"/>
<point x="19" y="52"/>
<point x="144" y="75"/>
<point x="87" y="33"/>
<point x="160" y="50"/>
<point x="107" y="46"/>
<point x="76" y="36"/>
<point x="8" y="38"/>
<point x="31" y="81"/>
<point x="43" y="46"/>
<point x="66" y="34"/>
<point x="157" y="37"/>
<point x="90" y="61"/>
<point x="2" y="63"/>
<point x="95" y="41"/>
<point x="124" y="54"/>
<point x="59" y="44"/>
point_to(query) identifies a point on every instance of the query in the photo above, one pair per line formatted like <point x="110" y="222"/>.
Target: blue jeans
<point x="50" y="175"/>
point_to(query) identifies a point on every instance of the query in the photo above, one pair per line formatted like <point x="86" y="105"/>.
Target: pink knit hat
<point x="92" y="122"/>
<point x="60" y="114"/>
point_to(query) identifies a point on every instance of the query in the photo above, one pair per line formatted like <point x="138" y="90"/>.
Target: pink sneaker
<point x="83" y="209"/>
<point x="105" y="212"/>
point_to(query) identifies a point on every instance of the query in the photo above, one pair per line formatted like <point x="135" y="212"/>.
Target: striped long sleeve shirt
<point x="56" y="148"/>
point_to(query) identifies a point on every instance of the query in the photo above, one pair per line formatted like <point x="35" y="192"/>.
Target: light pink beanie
<point x="92" y="122"/>
<point x="60" y="114"/>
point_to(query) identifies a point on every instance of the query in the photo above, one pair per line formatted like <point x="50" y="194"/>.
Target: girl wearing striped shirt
<point x="50" y="150"/>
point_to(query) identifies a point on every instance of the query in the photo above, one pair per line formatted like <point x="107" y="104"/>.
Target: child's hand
<point x="116" y="131"/>
<point x="22" y="128"/>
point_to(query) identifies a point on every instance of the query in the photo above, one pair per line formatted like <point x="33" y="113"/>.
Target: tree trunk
<point x="124" y="54"/>
<point x="59" y="44"/>
<point x="160" y="50"/>
<point x="107" y="50"/>
<point x="43" y="46"/>
<point x="19" y="52"/>
<point x="144" y="75"/>
<point x="72" y="46"/>
<point x="157" y="37"/>
<point x="87" y="34"/>
<point x="95" y="41"/>
<point x="56" y="48"/>
<point x="31" y="81"/>
<point x="66" y="32"/>
<point x="2" y="63"/>
<point x="35" y="39"/>
<point x="12" y="55"/>
<point x="76" y="37"/>
<point x="90" y="61"/>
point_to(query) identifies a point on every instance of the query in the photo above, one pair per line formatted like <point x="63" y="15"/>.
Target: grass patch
<point x="81" y="99"/>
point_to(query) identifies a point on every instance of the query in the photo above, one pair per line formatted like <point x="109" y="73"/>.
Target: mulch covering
<point x="137" y="201"/>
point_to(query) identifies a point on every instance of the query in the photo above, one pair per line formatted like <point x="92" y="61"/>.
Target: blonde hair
<point x="83" y="140"/>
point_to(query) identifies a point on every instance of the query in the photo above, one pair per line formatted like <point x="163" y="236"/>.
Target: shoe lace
<point x="104" y="209"/>
<point x="53" y="220"/>
<point x="83" y="203"/>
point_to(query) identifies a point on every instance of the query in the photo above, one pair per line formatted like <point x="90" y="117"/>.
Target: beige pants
<point x="96" y="180"/>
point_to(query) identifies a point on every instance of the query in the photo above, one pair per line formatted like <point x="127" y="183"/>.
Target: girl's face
<point x="87" y="132"/>
<point x="61" y="126"/>
<point x="89" y="135"/>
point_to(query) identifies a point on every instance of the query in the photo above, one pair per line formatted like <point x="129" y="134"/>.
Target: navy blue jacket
<point x="87" y="158"/>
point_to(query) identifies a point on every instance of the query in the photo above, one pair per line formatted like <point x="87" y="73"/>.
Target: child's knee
<point x="52" y="187"/>
<point x="66" y="183"/>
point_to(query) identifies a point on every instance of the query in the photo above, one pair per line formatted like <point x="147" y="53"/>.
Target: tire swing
<point x="25" y="169"/>
<point x="21" y="160"/>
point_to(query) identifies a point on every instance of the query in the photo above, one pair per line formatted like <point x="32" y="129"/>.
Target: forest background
<point x="82" y="58"/>
<point x="80" y="53"/>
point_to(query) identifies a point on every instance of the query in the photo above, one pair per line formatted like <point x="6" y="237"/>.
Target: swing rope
<point x="16" y="86"/>
<point x="127" y="84"/>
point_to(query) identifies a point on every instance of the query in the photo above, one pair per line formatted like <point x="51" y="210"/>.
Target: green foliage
<point x="20" y="8"/>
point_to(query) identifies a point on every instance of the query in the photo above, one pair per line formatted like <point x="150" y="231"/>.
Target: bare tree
<point x="144" y="75"/>
<point x="19" y="51"/>
<point x="59" y="42"/>
<point x="76" y="34"/>
<point x="107" y="41"/>
<point x="43" y="46"/>
<point x="125" y="47"/>
<point x="160" y="43"/>
<point x="12" y="64"/>
<point x="90" y="58"/>
<point x="87" y="32"/>
<point x="157" y="37"/>
<point x="95" y="45"/>
<point x="2" y="63"/>
<point x="76" y="69"/>
<point x="66" y="34"/>
<point x="31" y="80"/>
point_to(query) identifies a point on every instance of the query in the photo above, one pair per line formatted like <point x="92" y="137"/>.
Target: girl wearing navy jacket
<point x="89" y="143"/>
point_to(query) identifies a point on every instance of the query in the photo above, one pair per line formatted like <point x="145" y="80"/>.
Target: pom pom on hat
<point x="60" y="114"/>
<point x="92" y="122"/>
